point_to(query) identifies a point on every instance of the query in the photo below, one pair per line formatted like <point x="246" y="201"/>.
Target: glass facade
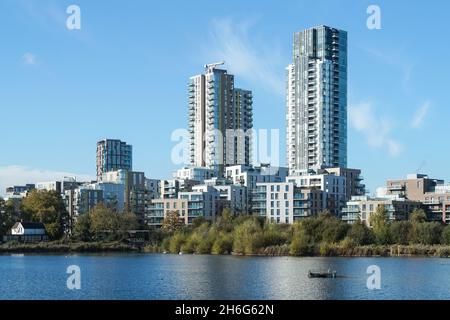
<point x="316" y="100"/>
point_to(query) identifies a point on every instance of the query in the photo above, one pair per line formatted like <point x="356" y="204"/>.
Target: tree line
<point x="48" y="208"/>
<point x="241" y="234"/>
<point x="311" y="236"/>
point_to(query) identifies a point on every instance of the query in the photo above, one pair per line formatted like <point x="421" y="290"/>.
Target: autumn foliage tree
<point x="172" y="222"/>
<point x="48" y="208"/>
<point x="8" y="215"/>
<point x="103" y="222"/>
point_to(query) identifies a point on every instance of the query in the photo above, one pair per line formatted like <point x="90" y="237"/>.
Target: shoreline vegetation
<point x="330" y="250"/>
<point x="104" y="230"/>
<point x="320" y="236"/>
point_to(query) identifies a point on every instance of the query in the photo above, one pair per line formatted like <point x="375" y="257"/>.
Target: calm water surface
<point x="152" y="276"/>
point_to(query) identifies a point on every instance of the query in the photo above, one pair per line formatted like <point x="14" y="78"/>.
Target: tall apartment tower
<point x="113" y="155"/>
<point x="220" y="120"/>
<point x="316" y="100"/>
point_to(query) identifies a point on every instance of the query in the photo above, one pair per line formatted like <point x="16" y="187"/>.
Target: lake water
<point x="154" y="276"/>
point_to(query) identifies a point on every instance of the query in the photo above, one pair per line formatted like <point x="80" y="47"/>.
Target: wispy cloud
<point x="19" y="175"/>
<point x="397" y="61"/>
<point x="377" y="130"/>
<point x="255" y="61"/>
<point x="420" y="115"/>
<point x="29" y="59"/>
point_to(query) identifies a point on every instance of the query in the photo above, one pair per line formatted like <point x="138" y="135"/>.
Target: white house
<point x="28" y="229"/>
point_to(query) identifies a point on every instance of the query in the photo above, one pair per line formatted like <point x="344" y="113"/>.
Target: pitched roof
<point x="30" y="225"/>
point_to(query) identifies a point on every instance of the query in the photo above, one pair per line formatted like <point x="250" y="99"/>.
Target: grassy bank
<point x="68" y="247"/>
<point x="325" y="250"/>
<point x="336" y="250"/>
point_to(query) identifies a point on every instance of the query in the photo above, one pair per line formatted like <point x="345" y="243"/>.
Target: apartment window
<point x="272" y="212"/>
<point x="272" y="196"/>
<point x="285" y="196"/>
<point x="286" y="204"/>
<point x="278" y="212"/>
<point x="174" y="205"/>
<point x="167" y="205"/>
<point x="272" y="188"/>
<point x="272" y="204"/>
<point x="286" y="188"/>
<point x="278" y="188"/>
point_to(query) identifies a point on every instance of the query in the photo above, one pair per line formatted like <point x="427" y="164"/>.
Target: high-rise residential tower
<point x="220" y="120"/>
<point x="316" y="100"/>
<point x="113" y="155"/>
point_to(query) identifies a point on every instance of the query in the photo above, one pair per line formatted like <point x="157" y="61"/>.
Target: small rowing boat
<point x="322" y="274"/>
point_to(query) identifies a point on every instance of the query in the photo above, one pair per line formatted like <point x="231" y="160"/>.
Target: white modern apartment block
<point x="220" y="120"/>
<point x="159" y="209"/>
<point x="86" y="197"/>
<point x="199" y="174"/>
<point x="232" y="196"/>
<point x="361" y="208"/>
<point x="135" y="195"/>
<point x="299" y="197"/>
<point x="285" y="202"/>
<point x="203" y="201"/>
<point x="249" y="176"/>
<point x="335" y="188"/>
<point x="81" y="200"/>
<point x="316" y="100"/>
<point x="49" y="186"/>
<point x="169" y="189"/>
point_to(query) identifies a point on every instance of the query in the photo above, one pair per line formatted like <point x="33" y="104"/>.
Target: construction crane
<point x="210" y="67"/>
<point x="423" y="164"/>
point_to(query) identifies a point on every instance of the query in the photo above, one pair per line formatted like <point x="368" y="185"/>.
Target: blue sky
<point x="124" y="75"/>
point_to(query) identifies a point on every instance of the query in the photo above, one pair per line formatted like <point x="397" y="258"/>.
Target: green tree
<point x="225" y="221"/>
<point x="172" y="222"/>
<point x="3" y="217"/>
<point x="418" y="216"/>
<point x="275" y="234"/>
<point x="48" y="208"/>
<point x="176" y="242"/>
<point x="82" y="228"/>
<point x="379" y="223"/>
<point x="248" y="237"/>
<point x="223" y="244"/>
<point x="427" y="233"/>
<point x="197" y="222"/>
<point x="333" y="230"/>
<point x="128" y="221"/>
<point x="360" y="234"/>
<point x="445" y="236"/>
<point x="103" y="221"/>
<point x="399" y="232"/>
<point x="8" y="216"/>
<point x="300" y="244"/>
